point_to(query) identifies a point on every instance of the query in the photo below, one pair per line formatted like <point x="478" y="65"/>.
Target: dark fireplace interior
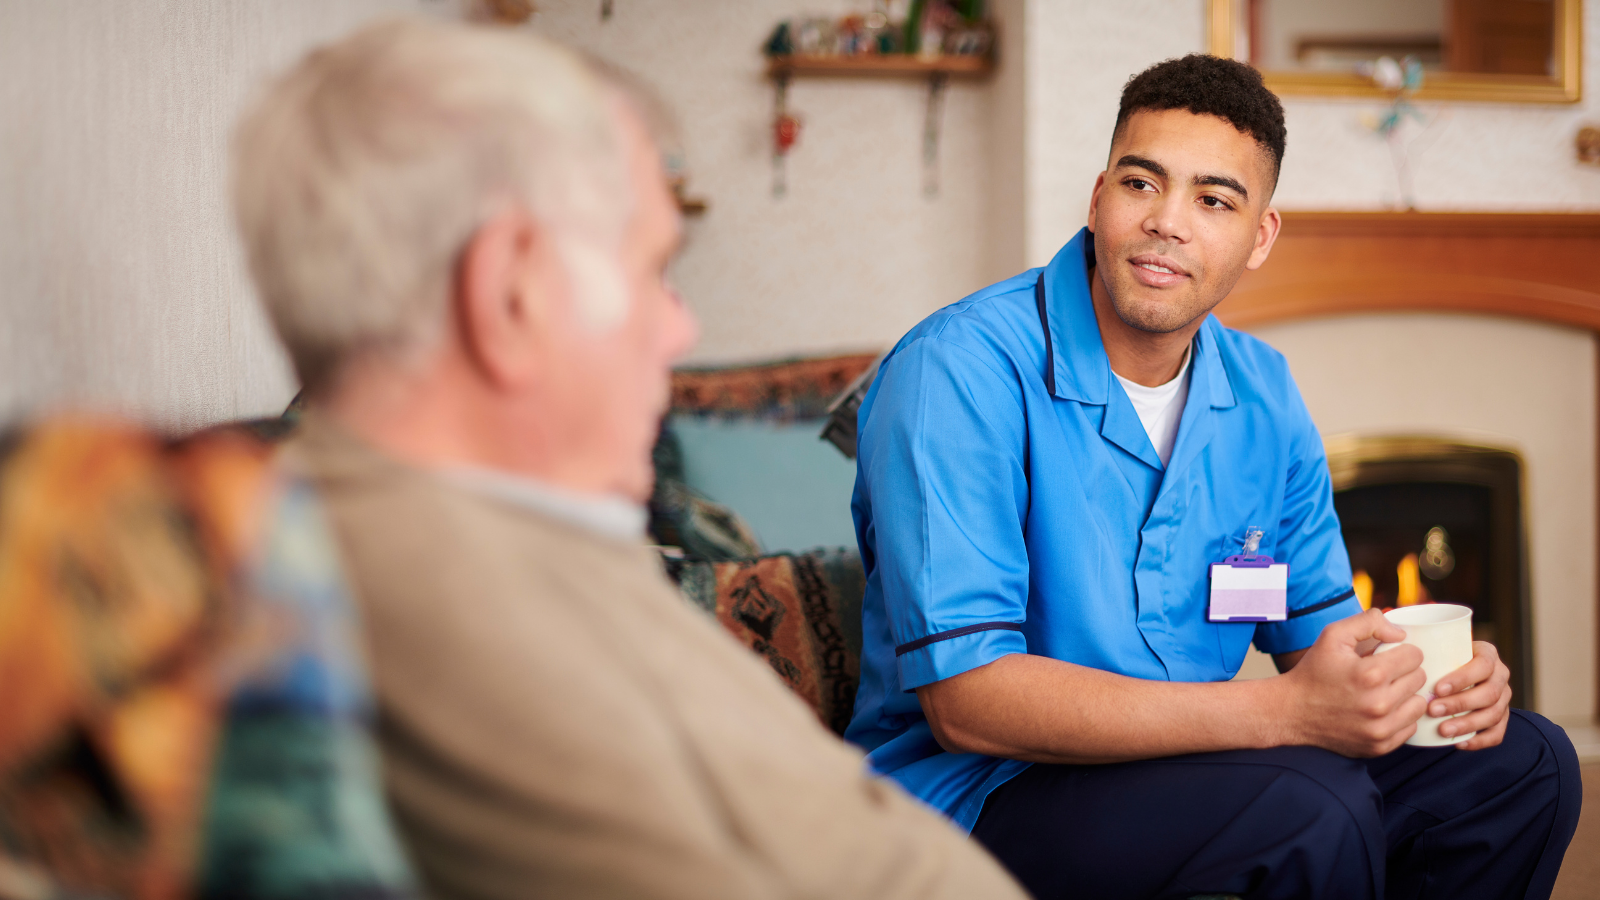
<point x="1443" y="529"/>
<point x="1428" y="520"/>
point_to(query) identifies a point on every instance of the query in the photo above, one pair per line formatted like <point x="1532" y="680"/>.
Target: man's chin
<point x="1154" y="317"/>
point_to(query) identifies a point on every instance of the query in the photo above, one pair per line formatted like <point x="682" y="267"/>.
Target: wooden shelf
<point x="896" y="64"/>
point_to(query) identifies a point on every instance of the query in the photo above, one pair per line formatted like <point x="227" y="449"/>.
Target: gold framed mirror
<point x="1503" y="51"/>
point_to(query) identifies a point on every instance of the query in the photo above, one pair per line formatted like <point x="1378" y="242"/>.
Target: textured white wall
<point x="854" y="255"/>
<point x="120" y="283"/>
<point x="1522" y="385"/>
<point x="1009" y="201"/>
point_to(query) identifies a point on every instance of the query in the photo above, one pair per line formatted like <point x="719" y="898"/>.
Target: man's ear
<point x="503" y="288"/>
<point x="1094" y="199"/>
<point x="1266" y="233"/>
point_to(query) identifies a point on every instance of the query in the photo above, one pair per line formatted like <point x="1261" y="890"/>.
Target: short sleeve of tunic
<point x="943" y="466"/>
<point x="1310" y="540"/>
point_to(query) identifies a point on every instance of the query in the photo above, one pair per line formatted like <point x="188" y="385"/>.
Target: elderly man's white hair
<point x="363" y="172"/>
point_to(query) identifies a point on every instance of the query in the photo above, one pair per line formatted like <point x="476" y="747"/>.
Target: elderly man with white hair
<point x="462" y="235"/>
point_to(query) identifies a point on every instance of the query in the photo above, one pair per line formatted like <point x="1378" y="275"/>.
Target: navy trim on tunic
<point x="921" y="642"/>
<point x="1318" y="607"/>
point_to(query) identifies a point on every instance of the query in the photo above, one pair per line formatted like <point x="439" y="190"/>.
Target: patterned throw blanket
<point x="783" y="391"/>
<point x="183" y="709"/>
<point x="800" y="612"/>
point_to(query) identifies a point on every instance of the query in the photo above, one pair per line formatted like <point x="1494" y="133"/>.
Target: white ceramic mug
<point x="1443" y="632"/>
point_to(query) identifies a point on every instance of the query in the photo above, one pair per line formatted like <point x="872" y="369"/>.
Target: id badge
<point x="1249" y="590"/>
<point x="1248" y="587"/>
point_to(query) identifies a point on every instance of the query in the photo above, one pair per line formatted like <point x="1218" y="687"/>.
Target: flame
<point x="1363" y="585"/>
<point x="1410" y="590"/>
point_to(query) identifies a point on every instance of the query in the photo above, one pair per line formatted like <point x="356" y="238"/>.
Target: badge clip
<point x="1249" y="587"/>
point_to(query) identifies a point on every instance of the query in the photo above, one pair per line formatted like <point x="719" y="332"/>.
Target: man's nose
<point x="683" y="329"/>
<point x="1169" y="221"/>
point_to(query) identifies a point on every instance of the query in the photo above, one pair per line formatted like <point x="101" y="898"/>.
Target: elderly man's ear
<point x="508" y="292"/>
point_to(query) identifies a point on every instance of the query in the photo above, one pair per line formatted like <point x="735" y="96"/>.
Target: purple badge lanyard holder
<point x="1249" y="587"/>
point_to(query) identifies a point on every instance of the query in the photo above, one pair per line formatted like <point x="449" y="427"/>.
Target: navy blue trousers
<point x="1296" y="822"/>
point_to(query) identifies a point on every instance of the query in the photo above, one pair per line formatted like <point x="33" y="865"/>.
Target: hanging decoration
<point x="1404" y="78"/>
<point x="931" y="120"/>
<point x="785" y="132"/>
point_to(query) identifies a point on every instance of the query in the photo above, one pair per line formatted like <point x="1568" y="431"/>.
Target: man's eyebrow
<point x="1132" y="161"/>
<point x="1138" y="162"/>
<point x="1223" y="181"/>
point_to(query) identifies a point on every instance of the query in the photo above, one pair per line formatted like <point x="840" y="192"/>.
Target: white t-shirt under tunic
<point x="1161" y="407"/>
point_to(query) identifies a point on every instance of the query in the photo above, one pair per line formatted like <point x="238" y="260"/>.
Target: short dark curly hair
<point x="1210" y="86"/>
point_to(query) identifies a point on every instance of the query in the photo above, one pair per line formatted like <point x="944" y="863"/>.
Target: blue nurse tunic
<point x="1008" y="500"/>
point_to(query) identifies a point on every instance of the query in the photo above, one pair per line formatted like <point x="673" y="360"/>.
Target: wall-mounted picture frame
<point x="1235" y="30"/>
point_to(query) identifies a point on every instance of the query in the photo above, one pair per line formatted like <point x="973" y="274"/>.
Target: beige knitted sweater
<point x="558" y="722"/>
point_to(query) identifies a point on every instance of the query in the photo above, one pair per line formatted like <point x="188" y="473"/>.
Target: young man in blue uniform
<point x="1047" y="470"/>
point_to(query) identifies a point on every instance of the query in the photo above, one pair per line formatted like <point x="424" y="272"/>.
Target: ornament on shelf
<point x="935" y="28"/>
<point x="924" y="30"/>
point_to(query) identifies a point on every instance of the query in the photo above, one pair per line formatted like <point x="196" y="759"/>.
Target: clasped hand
<point x="1348" y="699"/>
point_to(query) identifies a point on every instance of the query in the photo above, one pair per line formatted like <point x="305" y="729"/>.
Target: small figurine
<point x="815" y="36"/>
<point x="781" y="43"/>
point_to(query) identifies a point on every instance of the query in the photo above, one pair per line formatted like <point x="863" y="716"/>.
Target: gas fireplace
<point x="1436" y="520"/>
